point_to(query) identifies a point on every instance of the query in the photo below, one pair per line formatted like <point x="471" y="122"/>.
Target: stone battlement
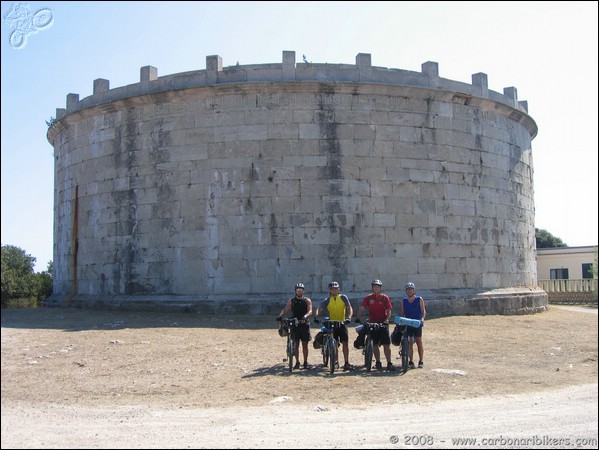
<point x="289" y="70"/>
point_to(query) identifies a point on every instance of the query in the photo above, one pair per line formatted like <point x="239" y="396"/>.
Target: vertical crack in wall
<point x="330" y="146"/>
<point x="125" y="201"/>
<point x="74" y="286"/>
<point x="166" y="206"/>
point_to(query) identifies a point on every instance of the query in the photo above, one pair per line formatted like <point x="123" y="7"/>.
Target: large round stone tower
<point x="219" y="189"/>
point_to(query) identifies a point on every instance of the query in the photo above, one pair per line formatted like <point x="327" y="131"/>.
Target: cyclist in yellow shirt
<point x="338" y="308"/>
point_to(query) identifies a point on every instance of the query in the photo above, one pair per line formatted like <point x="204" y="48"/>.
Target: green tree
<point x="43" y="281"/>
<point x="546" y="240"/>
<point x="19" y="282"/>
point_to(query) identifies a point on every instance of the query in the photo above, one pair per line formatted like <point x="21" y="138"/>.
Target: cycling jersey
<point x="337" y="306"/>
<point x="412" y="310"/>
<point x="299" y="307"/>
<point x="377" y="306"/>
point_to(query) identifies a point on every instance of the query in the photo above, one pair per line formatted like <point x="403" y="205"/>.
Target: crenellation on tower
<point x="214" y="65"/>
<point x="147" y="74"/>
<point x="101" y="85"/>
<point x="480" y="81"/>
<point x="364" y="61"/>
<point x="288" y="66"/>
<point x="512" y="94"/>
<point x="290" y="70"/>
<point x="72" y="100"/>
<point x="431" y="70"/>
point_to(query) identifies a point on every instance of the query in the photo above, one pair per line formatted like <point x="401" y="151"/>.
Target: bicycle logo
<point x="24" y="22"/>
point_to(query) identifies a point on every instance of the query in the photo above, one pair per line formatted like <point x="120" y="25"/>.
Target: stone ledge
<point x="442" y="303"/>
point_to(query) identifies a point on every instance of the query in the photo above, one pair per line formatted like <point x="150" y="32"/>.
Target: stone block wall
<point x="239" y="182"/>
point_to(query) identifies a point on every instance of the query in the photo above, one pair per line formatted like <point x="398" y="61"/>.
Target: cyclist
<point x="413" y="307"/>
<point x="301" y="308"/>
<point x="338" y="308"/>
<point x="379" y="310"/>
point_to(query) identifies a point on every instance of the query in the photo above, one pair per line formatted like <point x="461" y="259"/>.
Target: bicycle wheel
<point x="332" y="344"/>
<point x="368" y="352"/>
<point x="325" y="353"/>
<point x="404" y="352"/>
<point x="290" y="351"/>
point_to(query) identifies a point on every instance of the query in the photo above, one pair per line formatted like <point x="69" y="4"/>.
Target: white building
<point x="566" y="263"/>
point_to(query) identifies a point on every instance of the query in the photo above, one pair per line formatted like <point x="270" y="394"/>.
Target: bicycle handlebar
<point x="370" y="326"/>
<point x="332" y="322"/>
<point x="291" y="321"/>
<point x="376" y="324"/>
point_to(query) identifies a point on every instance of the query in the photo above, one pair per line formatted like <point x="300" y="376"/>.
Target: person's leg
<point x="305" y="338"/>
<point x="387" y="350"/>
<point x="342" y="336"/>
<point x="386" y="343"/>
<point x="345" y="352"/>
<point x="411" y="353"/>
<point x="377" y="356"/>
<point x="297" y="363"/>
<point x="305" y="350"/>
<point x="377" y="353"/>
<point x="420" y="346"/>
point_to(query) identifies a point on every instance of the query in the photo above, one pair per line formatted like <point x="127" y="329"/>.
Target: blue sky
<point x="547" y="50"/>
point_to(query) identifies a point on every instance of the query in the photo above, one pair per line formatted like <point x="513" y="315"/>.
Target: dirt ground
<point x="76" y="378"/>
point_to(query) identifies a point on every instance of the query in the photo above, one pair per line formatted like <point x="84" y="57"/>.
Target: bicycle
<point x="287" y="327"/>
<point x="371" y="328"/>
<point x="330" y="345"/>
<point x="404" y="346"/>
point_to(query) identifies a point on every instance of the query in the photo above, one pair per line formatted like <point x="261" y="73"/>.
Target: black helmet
<point x="377" y="283"/>
<point x="300" y="286"/>
<point x="333" y="284"/>
<point x="410" y="286"/>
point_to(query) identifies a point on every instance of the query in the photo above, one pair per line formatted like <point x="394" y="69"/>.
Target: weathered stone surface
<point x="237" y="182"/>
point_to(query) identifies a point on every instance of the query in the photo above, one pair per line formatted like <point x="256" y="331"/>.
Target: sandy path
<point x="562" y="417"/>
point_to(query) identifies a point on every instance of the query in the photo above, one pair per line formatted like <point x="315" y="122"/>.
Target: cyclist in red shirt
<point x="379" y="310"/>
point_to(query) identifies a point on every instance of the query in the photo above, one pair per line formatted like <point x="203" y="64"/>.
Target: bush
<point x="21" y="287"/>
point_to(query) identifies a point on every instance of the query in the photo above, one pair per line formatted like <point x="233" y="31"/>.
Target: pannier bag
<point x="318" y="340"/>
<point x="396" y="336"/>
<point x="359" y="342"/>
